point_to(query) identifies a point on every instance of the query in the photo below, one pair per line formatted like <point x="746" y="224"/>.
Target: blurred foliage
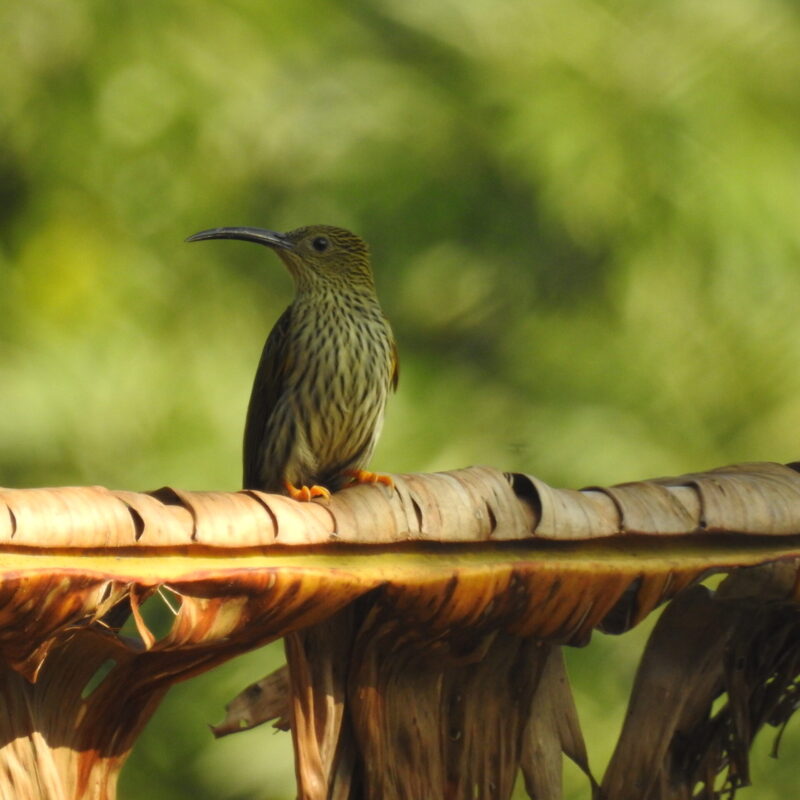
<point x="584" y="223"/>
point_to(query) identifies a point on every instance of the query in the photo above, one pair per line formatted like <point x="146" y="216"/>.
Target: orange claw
<point x="306" y="493"/>
<point x="365" y="476"/>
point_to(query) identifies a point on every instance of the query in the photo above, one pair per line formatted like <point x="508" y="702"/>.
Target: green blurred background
<point x="584" y="220"/>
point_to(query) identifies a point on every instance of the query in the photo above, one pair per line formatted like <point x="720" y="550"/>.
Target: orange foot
<point x="305" y="493"/>
<point x="364" y="476"/>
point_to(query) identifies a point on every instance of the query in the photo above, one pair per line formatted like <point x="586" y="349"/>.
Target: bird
<point x="326" y="371"/>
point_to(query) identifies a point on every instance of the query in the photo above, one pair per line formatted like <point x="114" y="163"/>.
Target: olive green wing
<point x="267" y="390"/>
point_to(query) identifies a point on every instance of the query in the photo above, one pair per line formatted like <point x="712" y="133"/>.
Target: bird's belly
<point x="339" y="413"/>
<point x="346" y="413"/>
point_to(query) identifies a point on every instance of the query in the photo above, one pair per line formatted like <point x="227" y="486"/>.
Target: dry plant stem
<point x="442" y="719"/>
<point x="553" y="728"/>
<point x="318" y="659"/>
<point x="415" y="621"/>
<point x="739" y="644"/>
<point x="384" y="711"/>
<point x="68" y="725"/>
<point x="478" y="504"/>
<point x="56" y="743"/>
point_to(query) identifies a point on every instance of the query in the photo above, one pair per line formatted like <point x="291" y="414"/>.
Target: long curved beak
<point x="268" y="238"/>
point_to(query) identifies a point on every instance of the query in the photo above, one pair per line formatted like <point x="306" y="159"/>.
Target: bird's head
<point x="317" y="256"/>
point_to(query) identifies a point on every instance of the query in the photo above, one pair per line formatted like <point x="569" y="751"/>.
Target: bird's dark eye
<point x="320" y="243"/>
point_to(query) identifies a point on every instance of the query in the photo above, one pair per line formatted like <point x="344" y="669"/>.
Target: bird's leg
<point x="365" y="476"/>
<point x="306" y="493"/>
